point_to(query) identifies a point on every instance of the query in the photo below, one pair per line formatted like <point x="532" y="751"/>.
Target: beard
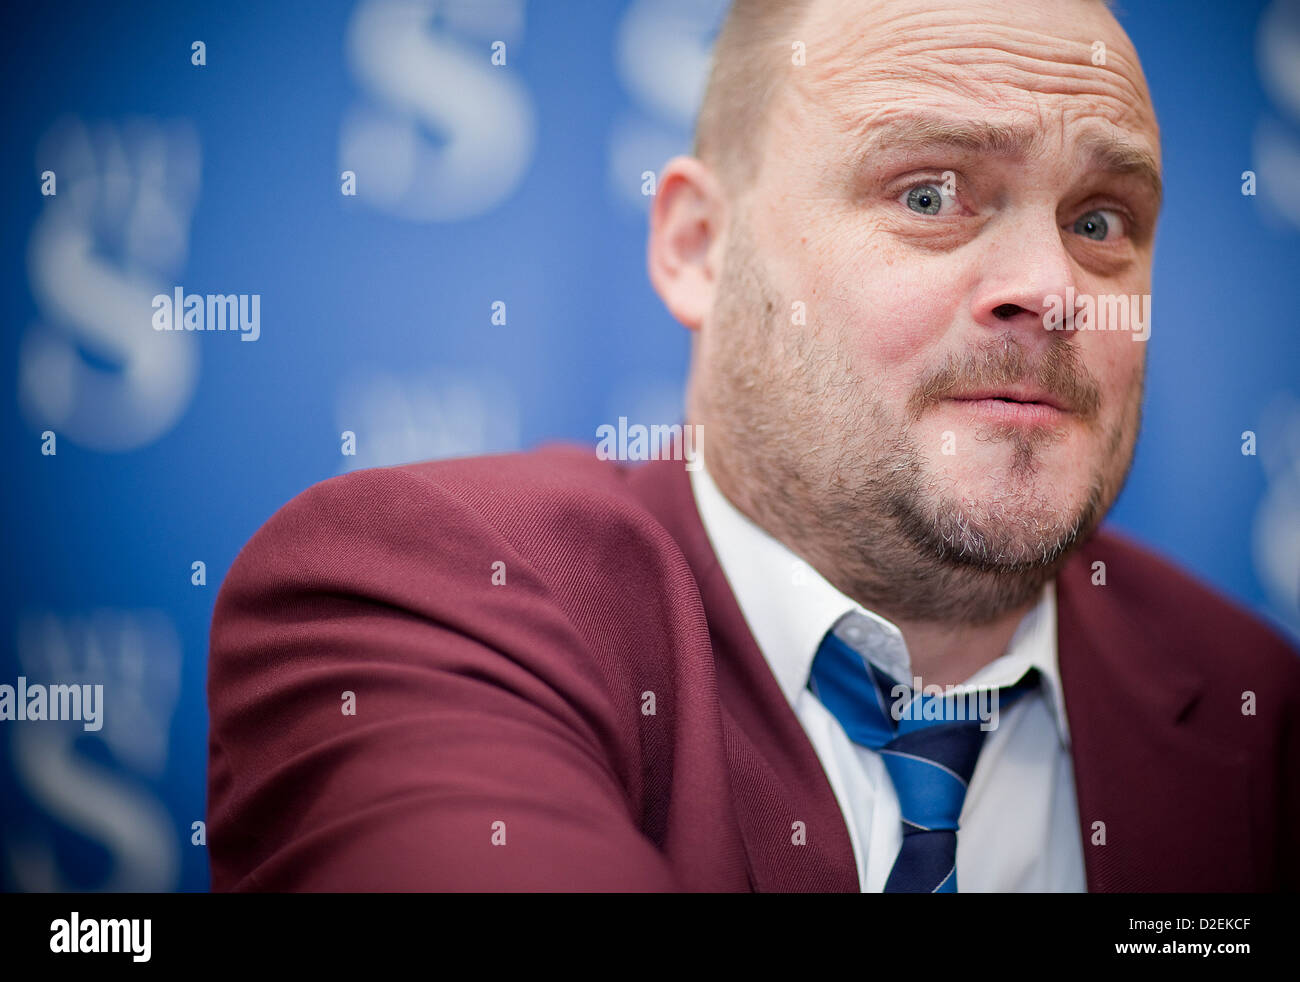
<point x="800" y="444"/>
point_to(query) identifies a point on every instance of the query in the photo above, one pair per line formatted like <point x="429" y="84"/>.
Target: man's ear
<point x="687" y="239"/>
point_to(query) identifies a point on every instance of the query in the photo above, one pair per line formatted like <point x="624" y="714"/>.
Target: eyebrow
<point x="1105" y="152"/>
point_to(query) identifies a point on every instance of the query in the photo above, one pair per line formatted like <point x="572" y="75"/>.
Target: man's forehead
<point x="974" y="59"/>
<point x="885" y="23"/>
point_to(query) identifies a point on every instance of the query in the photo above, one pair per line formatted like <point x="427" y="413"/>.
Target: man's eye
<point x="925" y="199"/>
<point x="1100" y="224"/>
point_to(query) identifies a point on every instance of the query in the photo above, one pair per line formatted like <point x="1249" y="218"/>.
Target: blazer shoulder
<point x="434" y="502"/>
<point x="1185" y="612"/>
<point x="557" y="525"/>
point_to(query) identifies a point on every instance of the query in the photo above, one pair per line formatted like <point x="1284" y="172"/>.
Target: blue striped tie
<point x="930" y="760"/>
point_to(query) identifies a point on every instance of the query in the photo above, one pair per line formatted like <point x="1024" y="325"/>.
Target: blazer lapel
<point x="794" y="832"/>
<point x="1159" y="803"/>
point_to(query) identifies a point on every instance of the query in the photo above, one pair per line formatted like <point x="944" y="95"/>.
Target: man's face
<point x="875" y="371"/>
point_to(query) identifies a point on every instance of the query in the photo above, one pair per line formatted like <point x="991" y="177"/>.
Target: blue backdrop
<point x="475" y="183"/>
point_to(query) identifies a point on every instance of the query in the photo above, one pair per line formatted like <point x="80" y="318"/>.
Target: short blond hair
<point x="750" y="56"/>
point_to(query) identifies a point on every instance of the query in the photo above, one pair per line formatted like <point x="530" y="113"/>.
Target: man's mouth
<point x="1027" y="406"/>
<point x="1024" y="396"/>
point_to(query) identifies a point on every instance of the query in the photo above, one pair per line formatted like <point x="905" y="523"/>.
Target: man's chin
<point x="1005" y="556"/>
<point x="997" y="530"/>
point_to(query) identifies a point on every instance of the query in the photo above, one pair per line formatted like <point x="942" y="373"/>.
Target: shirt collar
<point x="789" y="607"/>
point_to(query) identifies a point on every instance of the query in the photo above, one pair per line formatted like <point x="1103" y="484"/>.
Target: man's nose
<point x="1027" y="278"/>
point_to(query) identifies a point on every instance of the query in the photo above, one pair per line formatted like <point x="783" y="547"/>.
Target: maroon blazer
<point x="504" y="735"/>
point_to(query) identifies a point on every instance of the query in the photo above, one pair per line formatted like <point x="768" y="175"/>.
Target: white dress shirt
<point x="1019" y="827"/>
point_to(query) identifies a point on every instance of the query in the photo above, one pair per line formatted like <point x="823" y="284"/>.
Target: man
<point x="551" y="671"/>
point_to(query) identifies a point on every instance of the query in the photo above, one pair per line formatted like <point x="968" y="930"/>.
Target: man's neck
<point x="948" y="654"/>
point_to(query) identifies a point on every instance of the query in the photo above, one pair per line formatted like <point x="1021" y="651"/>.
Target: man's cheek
<point x="888" y="324"/>
<point x="1116" y="361"/>
<point x="1117" y="372"/>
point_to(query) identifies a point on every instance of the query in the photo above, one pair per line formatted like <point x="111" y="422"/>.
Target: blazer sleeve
<point x="386" y="714"/>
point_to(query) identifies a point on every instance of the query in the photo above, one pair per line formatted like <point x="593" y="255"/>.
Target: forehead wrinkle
<point x="994" y="65"/>
<point x="920" y="131"/>
<point x="900" y="31"/>
<point x="942" y="49"/>
<point x="993" y="83"/>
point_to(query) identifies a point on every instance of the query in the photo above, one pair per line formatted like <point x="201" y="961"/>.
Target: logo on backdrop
<point x="446" y="130"/>
<point x="112" y="233"/>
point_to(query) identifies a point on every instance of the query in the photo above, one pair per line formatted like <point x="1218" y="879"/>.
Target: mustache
<point x="1004" y="361"/>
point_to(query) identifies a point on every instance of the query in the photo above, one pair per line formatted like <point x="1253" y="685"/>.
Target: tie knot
<point x="935" y="705"/>
<point x="875" y="708"/>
